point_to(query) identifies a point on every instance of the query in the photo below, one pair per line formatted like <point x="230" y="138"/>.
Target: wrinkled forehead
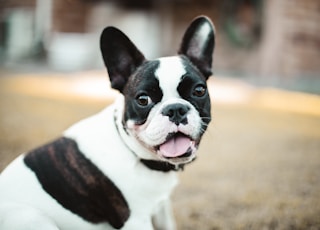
<point x="162" y="76"/>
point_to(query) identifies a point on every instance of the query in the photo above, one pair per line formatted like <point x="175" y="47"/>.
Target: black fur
<point x="190" y="47"/>
<point x="190" y="80"/>
<point x="161" y="166"/>
<point x="142" y="82"/>
<point x="77" y="184"/>
<point x="120" y="56"/>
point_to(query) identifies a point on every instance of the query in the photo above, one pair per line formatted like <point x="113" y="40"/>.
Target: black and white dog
<point x="116" y="170"/>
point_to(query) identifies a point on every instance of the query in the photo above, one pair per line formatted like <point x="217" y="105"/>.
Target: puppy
<point x="116" y="169"/>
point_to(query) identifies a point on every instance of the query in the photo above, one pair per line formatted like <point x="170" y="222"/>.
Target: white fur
<point x="155" y="130"/>
<point x="169" y="75"/>
<point x="101" y="138"/>
<point x="202" y="36"/>
<point x="144" y="190"/>
<point x="140" y="187"/>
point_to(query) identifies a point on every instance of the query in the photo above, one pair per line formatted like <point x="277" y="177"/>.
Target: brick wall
<point x="291" y="45"/>
<point x="302" y="34"/>
<point x="70" y="16"/>
<point x="16" y="3"/>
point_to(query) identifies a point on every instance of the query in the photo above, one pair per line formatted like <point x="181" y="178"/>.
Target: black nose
<point x="177" y="113"/>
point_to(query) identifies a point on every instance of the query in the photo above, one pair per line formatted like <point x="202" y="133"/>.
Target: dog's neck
<point x="145" y="158"/>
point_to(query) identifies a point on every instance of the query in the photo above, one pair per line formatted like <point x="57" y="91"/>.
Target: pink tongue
<point x="175" y="147"/>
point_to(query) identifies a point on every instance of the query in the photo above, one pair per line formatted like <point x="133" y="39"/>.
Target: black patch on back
<point x="77" y="184"/>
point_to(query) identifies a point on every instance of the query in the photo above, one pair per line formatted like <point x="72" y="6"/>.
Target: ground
<point x="258" y="166"/>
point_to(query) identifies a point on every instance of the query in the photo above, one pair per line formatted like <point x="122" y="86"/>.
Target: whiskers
<point x="205" y="124"/>
<point x="206" y="119"/>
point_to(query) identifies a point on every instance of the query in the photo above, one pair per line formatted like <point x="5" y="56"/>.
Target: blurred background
<point x="259" y="162"/>
<point x="266" y="42"/>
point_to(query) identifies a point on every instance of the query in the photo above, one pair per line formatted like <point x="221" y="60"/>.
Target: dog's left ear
<point x="198" y="44"/>
<point x="120" y="56"/>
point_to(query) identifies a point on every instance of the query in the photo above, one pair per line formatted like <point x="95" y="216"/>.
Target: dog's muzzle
<point x="177" y="144"/>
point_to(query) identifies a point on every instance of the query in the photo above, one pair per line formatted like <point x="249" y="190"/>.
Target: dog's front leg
<point x="163" y="218"/>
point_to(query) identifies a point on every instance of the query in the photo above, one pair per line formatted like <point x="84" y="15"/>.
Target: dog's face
<point x="167" y="105"/>
<point x="167" y="108"/>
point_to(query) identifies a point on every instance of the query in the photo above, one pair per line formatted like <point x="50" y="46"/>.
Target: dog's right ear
<point x="120" y="56"/>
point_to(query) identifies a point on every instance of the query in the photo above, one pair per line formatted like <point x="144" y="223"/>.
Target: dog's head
<point x="166" y="106"/>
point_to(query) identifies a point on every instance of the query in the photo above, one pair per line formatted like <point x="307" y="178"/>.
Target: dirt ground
<point x="258" y="166"/>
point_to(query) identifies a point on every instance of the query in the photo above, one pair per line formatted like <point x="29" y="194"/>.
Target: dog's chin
<point x="178" y="160"/>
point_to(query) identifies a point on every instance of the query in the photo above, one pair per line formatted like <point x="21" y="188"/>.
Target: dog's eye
<point x="143" y="100"/>
<point x="199" y="91"/>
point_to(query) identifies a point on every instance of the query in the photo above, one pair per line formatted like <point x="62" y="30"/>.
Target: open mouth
<point x="177" y="145"/>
